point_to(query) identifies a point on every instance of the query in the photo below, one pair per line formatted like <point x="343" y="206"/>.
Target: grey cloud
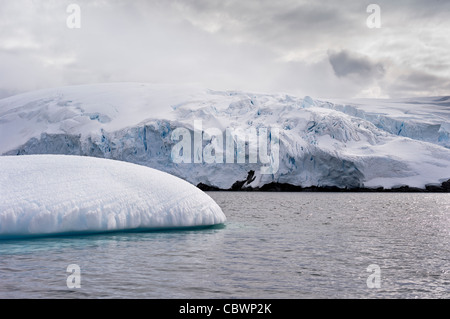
<point x="416" y="83"/>
<point x="348" y="64"/>
<point x="280" y="25"/>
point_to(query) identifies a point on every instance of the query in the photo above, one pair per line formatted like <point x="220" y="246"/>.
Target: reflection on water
<point x="274" y="245"/>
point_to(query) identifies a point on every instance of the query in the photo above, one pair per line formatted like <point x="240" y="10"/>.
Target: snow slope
<point x="368" y="143"/>
<point x="57" y="194"/>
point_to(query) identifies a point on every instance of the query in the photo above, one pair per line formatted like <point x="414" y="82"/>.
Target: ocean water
<point x="274" y="245"/>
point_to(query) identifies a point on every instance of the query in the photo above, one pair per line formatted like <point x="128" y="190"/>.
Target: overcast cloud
<point x="319" y="48"/>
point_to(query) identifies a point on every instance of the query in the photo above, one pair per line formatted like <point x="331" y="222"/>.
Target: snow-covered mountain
<point x="361" y="143"/>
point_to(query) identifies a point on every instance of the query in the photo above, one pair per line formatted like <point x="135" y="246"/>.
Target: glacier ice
<point x="358" y="143"/>
<point x="60" y="194"/>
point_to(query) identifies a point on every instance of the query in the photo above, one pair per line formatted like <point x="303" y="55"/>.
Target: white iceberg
<point x="60" y="194"/>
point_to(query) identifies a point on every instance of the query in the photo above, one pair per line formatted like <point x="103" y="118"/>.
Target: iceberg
<point x="60" y="194"/>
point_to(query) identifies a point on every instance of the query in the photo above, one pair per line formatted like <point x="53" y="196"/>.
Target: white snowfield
<point x="60" y="194"/>
<point x="363" y="143"/>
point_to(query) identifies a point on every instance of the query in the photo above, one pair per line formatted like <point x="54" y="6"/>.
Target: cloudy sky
<point x="319" y="48"/>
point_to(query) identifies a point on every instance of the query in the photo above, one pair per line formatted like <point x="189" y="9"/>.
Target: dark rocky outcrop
<point x="239" y="185"/>
<point x="283" y="187"/>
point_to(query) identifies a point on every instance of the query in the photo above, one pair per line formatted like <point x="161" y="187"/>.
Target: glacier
<point x="45" y="195"/>
<point x="364" y="143"/>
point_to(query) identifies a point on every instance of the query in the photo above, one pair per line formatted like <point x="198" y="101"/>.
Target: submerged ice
<point x="57" y="194"/>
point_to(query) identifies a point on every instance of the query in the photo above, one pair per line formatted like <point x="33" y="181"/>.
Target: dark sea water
<point x="274" y="245"/>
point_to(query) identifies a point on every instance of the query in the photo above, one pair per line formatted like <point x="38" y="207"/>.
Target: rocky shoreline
<point x="283" y="187"/>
